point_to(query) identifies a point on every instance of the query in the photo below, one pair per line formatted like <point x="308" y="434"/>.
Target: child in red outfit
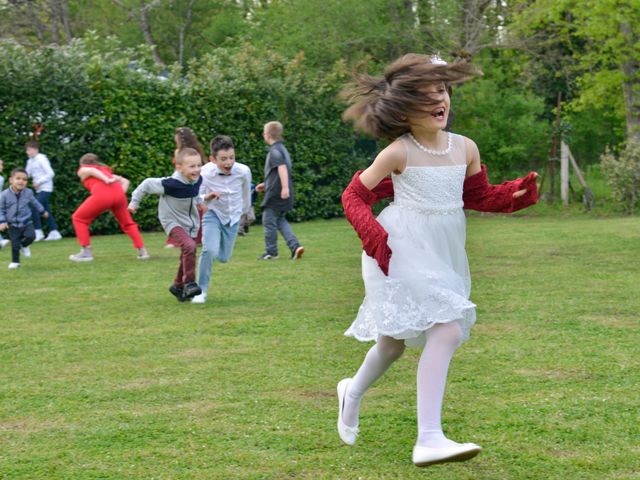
<point x="107" y="193"/>
<point x="414" y="263"/>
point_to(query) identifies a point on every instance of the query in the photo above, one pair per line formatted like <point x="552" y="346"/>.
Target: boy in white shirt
<point x="226" y="190"/>
<point x="39" y="170"/>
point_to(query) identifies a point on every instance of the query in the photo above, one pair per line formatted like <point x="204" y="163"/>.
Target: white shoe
<point x="4" y="243"/>
<point x="13" y="265"/>
<point x="39" y="235"/>
<point x="53" y="235"/>
<point x="425" y="456"/>
<point x="348" y="434"/>
<point x="199" y="298"/>
<point x="26" y="251"/>
<point x="143" y="254"/>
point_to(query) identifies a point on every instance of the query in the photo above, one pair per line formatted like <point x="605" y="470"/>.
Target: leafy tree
<point x="601" y="52"/>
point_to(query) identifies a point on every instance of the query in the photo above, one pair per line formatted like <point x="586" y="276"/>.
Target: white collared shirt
<point x="234" y="190"/>
<point x="39" y="169"/>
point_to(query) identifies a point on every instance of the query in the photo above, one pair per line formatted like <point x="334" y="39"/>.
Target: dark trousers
<point x="20" y="237"/>
<point x="274" y="221"/>
<point x="43" y="198"/>
<point x="187" y="269"/>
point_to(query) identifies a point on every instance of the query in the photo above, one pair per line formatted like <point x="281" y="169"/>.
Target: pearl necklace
<point x="431" y="151"/>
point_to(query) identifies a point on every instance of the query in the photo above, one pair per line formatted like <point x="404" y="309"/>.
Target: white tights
<point x="442" y="341"/>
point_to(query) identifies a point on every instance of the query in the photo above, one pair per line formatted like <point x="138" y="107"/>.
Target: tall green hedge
<point x="95" y="97"/>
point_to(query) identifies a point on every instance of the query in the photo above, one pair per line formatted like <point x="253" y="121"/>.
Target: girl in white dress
<point x="414" y="266"/>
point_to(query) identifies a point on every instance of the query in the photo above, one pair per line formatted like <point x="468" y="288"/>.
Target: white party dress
<point x="428" y="281"/>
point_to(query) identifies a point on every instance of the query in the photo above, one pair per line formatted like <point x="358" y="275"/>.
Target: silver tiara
<point x="436" y="60"/>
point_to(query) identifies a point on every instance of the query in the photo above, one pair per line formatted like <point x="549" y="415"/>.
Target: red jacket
<point x="478" y="194"/>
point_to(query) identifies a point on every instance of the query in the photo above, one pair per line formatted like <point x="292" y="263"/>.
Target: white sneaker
<point x="26" y="251"/>
<point x="84" y="255"/>
<point x="39" y="235"/>
<point x="13" y="265"/>
<point x="199" y="298"/>
<point x="4" y="243"/>
<point x="143" y="254"/>
<point x="53" y="235"/>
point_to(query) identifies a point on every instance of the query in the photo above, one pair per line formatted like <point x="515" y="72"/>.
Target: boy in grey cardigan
<point x="178" y="214"/>
<point x="16" y="203"/>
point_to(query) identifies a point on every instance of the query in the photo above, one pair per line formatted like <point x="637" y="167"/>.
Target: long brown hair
<point x="188" y="139"/>
<point x="380" y="106"/>
<point x="91" y="159"/>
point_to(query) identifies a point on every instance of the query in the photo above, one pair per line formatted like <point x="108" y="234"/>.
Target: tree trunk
<point x="631" y="85"/>
<point x="146" y="30"/>
<point x="183" y="32"/>
<point x="66" y="22"/>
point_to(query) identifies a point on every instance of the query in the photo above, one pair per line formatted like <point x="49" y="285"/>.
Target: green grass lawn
<point x="104" y="375"/>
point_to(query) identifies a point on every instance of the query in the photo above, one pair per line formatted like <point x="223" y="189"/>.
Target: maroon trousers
<point x="187" y="269"/>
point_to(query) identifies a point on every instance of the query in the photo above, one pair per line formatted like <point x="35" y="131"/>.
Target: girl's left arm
<point x="478" y="194"/>
<point x="86" y="172"/>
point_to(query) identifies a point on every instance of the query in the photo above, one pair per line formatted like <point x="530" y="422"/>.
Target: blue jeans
<point x="217" y="244"/>
<point x="43" y="198"/>
<point x="274" y="221"/>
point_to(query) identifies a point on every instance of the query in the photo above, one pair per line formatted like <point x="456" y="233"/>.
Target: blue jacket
<point x="15" y="208"/>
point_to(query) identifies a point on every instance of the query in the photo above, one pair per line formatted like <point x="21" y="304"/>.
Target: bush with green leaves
<point x="95" y="97"/>
<point x="623" y="174"/>
<point x="505" y="120"/>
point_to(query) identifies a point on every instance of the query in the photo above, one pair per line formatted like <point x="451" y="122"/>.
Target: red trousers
<point x="110" y="197"/>
<point x="187" y="269"/>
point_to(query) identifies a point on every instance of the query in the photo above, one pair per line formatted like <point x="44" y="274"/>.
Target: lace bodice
<point x="429" y="184"/>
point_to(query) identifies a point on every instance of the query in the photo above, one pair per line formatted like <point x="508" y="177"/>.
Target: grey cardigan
<point x="178" y="201"/>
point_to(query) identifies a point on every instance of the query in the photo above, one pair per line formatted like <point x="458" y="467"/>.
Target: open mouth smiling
<point x="438" y="113"/>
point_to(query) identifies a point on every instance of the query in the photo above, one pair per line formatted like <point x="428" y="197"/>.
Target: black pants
<point x="20" y="237"/>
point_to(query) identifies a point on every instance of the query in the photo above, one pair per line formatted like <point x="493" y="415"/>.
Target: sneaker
<point x="26" y="252"/>
<point x="39" y="235"/>
<point x="85" y="255"/>
<point x="13" y="265"/>
<point x="267" y="256"/>
<point x="190" y="290"/>
<point x="170" y="245"/>
<point x="297" y="253"/>
<point x="199" y="298"/>
<point x="53" y="235"/>
<point x="176" y="291"/>
<point x="143" y="254"/>
<point x="4" y="243"/>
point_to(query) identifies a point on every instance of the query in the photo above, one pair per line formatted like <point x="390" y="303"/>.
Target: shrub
<point x="623" y="175"/>
<point x="95" y="96"/>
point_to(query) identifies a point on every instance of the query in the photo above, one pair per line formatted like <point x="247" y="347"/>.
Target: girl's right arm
<point x="391" y="159"/>
<point x="358" y="198"/>
<point x="124" y="182"/>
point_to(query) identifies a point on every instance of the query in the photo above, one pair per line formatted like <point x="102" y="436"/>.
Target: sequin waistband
<point x="443" y="210"/>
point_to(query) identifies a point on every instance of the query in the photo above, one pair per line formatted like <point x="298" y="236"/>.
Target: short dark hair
<point x="18" y="170"/>
<point x="221" y="142"/>
<point x="32" y="144"/>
